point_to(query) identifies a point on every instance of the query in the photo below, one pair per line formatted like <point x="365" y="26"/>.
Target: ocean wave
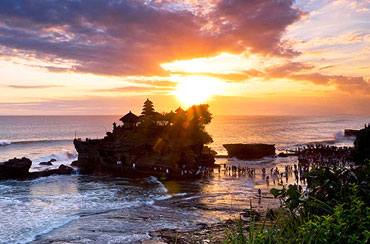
<point x="165" y="197"/>
<point x="338" y="138"/>
<point x="7" y="143"/>
<point x="154" y="180"/>
<point x="63" y="157"/>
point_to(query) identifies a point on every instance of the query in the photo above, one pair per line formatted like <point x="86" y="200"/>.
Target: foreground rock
<point x="15" y="168"/>
<point x="250" y="151"/>
<point x="48" y="163"/>
<point x="62" y="170"/>
<point x="285" y="155"/>
<point x="18" y="169"/>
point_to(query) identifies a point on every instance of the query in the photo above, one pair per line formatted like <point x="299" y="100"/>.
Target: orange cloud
<point x="134" y="37"/>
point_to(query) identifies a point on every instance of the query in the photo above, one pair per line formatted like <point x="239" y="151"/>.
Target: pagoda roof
<point x="129" y="118"/>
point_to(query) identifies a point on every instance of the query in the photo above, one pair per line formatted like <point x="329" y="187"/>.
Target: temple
<point x="168" y="145"/>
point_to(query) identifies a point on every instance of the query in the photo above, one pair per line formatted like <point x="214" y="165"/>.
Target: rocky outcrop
<point x="349" y="132"/>
<point x="250" y="151"/>
<point x="65" y="170"/>
<point x="128" y="155"/>
<point x="166" y="145"/>
<point x="62" y="170"/>
<point x="48" y="163"/>
<point x="15" y="168"/>
<point x="285" y="155"/>
<point x="18" y="169"/>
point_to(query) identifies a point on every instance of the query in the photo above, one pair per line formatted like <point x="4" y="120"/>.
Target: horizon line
<point x="296" y="115"/>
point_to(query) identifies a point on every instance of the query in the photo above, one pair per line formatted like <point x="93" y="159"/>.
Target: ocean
<point x="87" y="209"/>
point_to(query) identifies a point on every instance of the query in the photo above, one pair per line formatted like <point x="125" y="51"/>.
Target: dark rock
<point x="349" y="132"/>
<point x="137" y="160"/>
<point x="52" y="160"/>
<point x="250" y="151"/>
<point x="46" y="163"/>
<point x="284" y="155"/>
<point x="18" y="169"/>
<point x="62" y="170"/>
<point x="65" y="170"/>
<point x="15" y="168"/>
<point x="75" y="163"/>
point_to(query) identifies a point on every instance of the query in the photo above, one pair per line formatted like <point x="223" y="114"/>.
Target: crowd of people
<point x="325" y="155"/>
<point x="274" y="174"/>
<point x="311" y="155"/>
<point x="238" y="170"/>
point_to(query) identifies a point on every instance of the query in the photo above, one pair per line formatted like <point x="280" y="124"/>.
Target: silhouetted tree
<point x="188" y="128"/>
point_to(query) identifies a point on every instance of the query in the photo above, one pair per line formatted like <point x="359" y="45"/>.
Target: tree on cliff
<point x="362" y="145"/>
<point x="188" y="128"/>
<point x="148" y="108"/>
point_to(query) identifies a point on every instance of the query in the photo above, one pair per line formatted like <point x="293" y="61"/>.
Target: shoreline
<point x="214" y="232"/>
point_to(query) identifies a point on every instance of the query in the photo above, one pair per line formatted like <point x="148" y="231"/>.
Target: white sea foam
<point x="248" y="184"/>
<point x="192" y="197"/>
<point x="63" y="156"/>
<point x="32" y="141"/>
<point x="154" y="180"/>
<point x="5" y="143"/>
<point x="36" y="207"/>
<point x="165" y="197"/>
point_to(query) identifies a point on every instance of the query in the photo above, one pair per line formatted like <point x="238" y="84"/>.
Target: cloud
<point x="31" y="87"/>
<point x="155" y="83"/>
<point x="137" y="89"/>
<point x="286" y="69"/>
<point x="348" y="84"/>
<point x="234" y="77"/>
<point x="133" y="37"/>
<point x="306" y="72"/>
<point x="95" y="105"/>
<point x="328" y="67"/>
<point x="358" y="6"/>
<point x="343" y="39"/>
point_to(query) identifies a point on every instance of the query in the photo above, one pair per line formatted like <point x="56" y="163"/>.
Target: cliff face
<point x="141" y="152"/>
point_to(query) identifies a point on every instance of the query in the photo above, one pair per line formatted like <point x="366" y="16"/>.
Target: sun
<point x="195" y="90"/>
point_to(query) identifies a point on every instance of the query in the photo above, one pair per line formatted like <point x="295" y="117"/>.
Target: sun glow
<point x="197" y="89"/>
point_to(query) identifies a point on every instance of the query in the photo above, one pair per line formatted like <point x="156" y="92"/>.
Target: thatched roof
<point x="129" y="118"/>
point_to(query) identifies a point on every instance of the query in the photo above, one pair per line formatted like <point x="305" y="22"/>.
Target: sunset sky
<point x="275" y="57"/>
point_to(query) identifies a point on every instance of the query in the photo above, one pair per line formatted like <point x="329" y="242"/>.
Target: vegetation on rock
<point x="160" y="144"/>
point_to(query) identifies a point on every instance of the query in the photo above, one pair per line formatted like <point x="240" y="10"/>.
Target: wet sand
<point x="230" y="212"/>
<point x="191" y="211"/>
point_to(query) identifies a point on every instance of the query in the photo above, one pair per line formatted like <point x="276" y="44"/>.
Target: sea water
<point x="86" y="209"/>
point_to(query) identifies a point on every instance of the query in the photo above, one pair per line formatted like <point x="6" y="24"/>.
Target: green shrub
<point x="349" y="223"/>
